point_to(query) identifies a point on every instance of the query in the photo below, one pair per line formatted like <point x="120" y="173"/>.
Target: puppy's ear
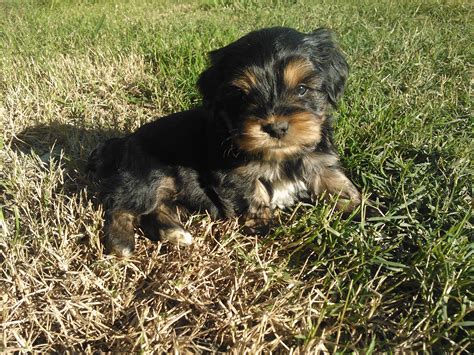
<point x="211" y="78"/>
<point x="331" y="62"/>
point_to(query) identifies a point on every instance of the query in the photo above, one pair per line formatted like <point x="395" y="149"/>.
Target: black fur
<point x="192" y="160"/>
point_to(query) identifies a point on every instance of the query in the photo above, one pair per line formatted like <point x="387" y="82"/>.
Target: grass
<point x="72" y="73"/>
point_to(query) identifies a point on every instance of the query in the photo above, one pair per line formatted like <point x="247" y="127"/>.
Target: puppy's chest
<point x="285" y="193"/>
<point x="284" y="189"/>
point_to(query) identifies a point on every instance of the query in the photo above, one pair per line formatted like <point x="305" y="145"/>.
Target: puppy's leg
<point x="333" y="181"/>
<point x="258" y="217"/>
<point x="119" y="233"/>
<point x="163" y="222"/>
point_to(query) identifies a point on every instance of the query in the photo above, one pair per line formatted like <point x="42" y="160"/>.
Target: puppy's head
<point x="272" y="89"/>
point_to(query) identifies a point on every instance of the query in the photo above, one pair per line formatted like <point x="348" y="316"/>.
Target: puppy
<point x="261" y="140"/>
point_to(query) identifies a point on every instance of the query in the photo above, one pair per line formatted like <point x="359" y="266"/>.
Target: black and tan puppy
<point x="261" y="140"/>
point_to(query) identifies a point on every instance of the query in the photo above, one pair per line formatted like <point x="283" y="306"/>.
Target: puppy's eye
<point x="301" y="90"/>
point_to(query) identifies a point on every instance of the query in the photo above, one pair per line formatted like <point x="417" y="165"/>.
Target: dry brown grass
<point x="228" y="291"/>
<point x="208" y="297"/>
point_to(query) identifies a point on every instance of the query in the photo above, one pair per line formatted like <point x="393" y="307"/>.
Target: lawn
<point x="75" y="72"/>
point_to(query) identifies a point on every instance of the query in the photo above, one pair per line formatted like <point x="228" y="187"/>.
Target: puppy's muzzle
<point x="276" y="130"/>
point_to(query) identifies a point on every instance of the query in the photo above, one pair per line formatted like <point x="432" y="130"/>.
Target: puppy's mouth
<point x="280" y="136"/>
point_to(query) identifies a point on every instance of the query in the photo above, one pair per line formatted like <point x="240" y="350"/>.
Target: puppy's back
<point x="175" y="140"/>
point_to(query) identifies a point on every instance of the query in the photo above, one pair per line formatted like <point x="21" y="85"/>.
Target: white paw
<point x="125" y="252"/>
<point x="178" y="236"/>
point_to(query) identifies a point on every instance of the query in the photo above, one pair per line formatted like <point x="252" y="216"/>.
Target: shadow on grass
<point x="71" y="143"/>
<point x="75" y="142"/>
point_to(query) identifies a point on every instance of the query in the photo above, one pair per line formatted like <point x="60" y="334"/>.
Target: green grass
<point x="74" y="72"/>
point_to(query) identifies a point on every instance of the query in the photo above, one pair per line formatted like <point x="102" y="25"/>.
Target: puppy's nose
<point x="276" y="130"/>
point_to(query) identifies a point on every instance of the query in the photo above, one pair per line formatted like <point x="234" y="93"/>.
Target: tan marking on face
<point x="252" y="138"/>
<point x="296" y="71"/>
<point x="304" y="130"/>
<point x="245" y="81"/>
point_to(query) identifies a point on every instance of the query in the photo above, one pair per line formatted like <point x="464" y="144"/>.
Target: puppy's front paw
<point x="257" y="222"/>
<point x="348" y="200"/>
<point x="177" y="236"/>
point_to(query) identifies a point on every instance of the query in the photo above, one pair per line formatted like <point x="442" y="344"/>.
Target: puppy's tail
<point x="106" y="158"/>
